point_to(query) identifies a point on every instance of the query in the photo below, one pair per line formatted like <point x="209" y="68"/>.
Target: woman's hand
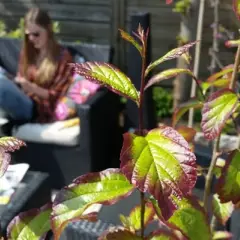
<point x="30" y="87"/>
<point x="27" y="86"/>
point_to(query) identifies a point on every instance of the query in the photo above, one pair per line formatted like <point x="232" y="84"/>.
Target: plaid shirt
<point x="57" y="87"/>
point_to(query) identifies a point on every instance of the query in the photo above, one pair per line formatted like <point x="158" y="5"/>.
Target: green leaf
<point x="228" y="185"/>
<point x="216" y="111"/>
<point x="222" y="211"/>
<point x="30" y="225"/>
<point x="119" y="233"/>
<point x="222" y="235"/>
<point x="228" y="69"/>
<point x="219" y="83"/>
<point x="130" y="39"/>
<point x="106" y="187"/>
<point x="191" y="220"/>
<point x="162" y="234"/>
<point x="183" y="108"/>
<point x="8" y="144"/>
<point x="218" y="167"/>
<point x="232" y="43"/>
<point x="166" y="75"/>
<point x="160" y="163"/>
<point x="133" y="222"/>
<point x="236" y="8"/>
<point x="108" y="76"/>
<point x="174" y="53"/>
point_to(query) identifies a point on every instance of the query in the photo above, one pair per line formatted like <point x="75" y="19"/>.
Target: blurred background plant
<point x="18" y="32"/>
<point x="182" y="6"/>
<point x="163" y="100"/>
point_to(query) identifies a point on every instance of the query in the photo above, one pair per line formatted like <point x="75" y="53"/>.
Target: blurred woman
<point x="43" y="75"/>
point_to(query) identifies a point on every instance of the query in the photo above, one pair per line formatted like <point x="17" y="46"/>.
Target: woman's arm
<point x="30" y="87"/>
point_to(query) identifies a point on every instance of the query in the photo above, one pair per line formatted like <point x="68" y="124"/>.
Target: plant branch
<point x="235" y="69"/>
<point x="141" y="126"/>
<point x="209" y="177"/>
<point x="199" y="87"/>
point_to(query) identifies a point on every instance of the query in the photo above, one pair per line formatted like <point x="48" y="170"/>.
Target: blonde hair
<point x="48" y="66"/>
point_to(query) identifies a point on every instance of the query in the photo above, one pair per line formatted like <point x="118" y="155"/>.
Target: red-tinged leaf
<point x="183" y="108"/>
<point x="175" y="53"/>
<point x="133" y="222"/>
<point x="108" y="76"/>
<point x="187" y="132"/>
<point x="191" y="220"/>
<point x="106" y="187"/>
<point x="166" y="75"/>
<point x="228" y="69"/>
<point x="236" y="8"/>
<point x="219" y="83"/>
<point x="130" y="39"/>
<point x="222" y="235"/>
<point x="160" y="163"/>
<point x="222" y="211"/>
<point x="11" y="144"/>
<point x="119" y="233"/>
<point x="8" y="144"/>
<point x="31" y="225"/>
<point x="232" y="43"/>
<point x="163" y="234"/>
<point x="216" y="111"/>
<point x="228" y="186"/>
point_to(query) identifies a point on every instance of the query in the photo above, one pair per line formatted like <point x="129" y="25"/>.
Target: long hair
<point x="48" y="66"/>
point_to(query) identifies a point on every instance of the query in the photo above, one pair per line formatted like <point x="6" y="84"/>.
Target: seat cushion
<point x="64" y="133"/>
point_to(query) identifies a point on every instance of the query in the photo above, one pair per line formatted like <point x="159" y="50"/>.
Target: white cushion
<point x="3" y="121"/>
<point x="53" y="133"/>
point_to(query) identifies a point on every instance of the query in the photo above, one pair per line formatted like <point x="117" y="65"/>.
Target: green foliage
<point x="19" y="31"/>
<point x="182" y="6"/>
<point x="163" y="101"/>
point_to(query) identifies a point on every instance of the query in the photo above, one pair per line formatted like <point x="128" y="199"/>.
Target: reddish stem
<point x="141" y="125"/>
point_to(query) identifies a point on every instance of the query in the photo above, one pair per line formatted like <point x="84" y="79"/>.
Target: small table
<point x="33" y="192"/>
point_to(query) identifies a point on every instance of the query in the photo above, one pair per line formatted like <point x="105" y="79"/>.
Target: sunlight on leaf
<point x="219" y="83"/>
<point x="162" y="235"/>
<point x="8" y="144"/>
<point x="184" y="107"/>
<point x="232" y="43"/>
<point x="190" y="218"/>
<point x="106" y="187"/>
<point x="119" y="233"/>
<point x="228" y="185"/>
<point x="160" y="163"/>
<point x="236" y="8"/>
<point x="166" y="75"/>
<point x="222" y="235"/>
<point x="218" y="167"/>
<point x="31" y="225"/>
<point x="108" y="76"/>
<point x="216" y="111"/>
<point x="174" y="53"/>
<point x="133" y="221"/>
<point x="222" y="211"/>
<point x="228" y="69"/>
<point x="130" y="39"/>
